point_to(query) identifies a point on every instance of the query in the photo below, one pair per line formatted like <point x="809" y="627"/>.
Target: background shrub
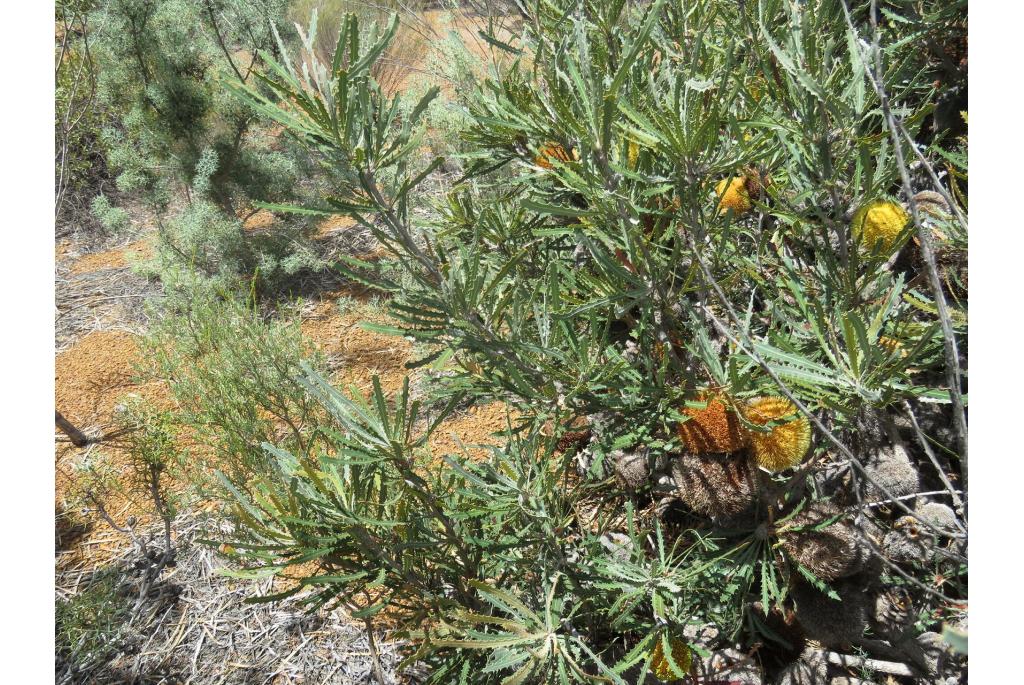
<point x="161" y="64"/>
<point x="80" y="168"/>
<point x="233" y="375"/>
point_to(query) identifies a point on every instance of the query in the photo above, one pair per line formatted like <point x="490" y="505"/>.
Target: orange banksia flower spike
<point x="714" y="429"/>
<point x="551" y="150"/>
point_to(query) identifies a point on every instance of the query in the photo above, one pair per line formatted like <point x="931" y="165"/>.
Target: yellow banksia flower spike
<point x="660" y="666"/>
<point x="732" y="194"/>
<point x="633" y="153"/>
<point x="879" y="221"/>
<point x="784" y="445"/>
<point x="891" y="344"/>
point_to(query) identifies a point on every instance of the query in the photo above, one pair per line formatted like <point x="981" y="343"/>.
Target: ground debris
<point x="196" y="627"/>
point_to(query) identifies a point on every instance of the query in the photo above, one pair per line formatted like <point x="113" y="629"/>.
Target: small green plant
<point x="151" y="460"/>
<point x="114" y="219"/>
<point x="233" y="375"/>
<point x="89" y="624"/>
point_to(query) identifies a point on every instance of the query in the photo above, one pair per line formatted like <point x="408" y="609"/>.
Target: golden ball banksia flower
<point x="783" y="445"/>
<point x="891" y="345"/>
<point x="713" y="429"/>
<point x="660" y="666"/>
<point x="549" y="151"/>
<point x="733" y="194"/>
<point x="879" y="221"/>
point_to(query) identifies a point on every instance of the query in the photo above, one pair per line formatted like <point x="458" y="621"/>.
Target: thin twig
<point x="922" y="440"/>
<point x="953" y="373"/>
<point x="378" y="671"/>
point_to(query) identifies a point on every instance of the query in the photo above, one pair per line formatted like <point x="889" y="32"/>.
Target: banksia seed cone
<point x="932" y="205"/>
<point x="733" y="194"/>
<point x="717" y="486"/>
<point x="549" y="151"/>
<point x="830" y="622"/>
<point x="830" y="553"/>
<point x="894" y="611"/>
<point x="632" y="471"/>
<point x="934" y="212"/>
<point x="783" y="445"/>
<point x="571" y="440"/>
<point x="660" y="666"/>
<point x="891" y="468"/>
<point x="908" y="542"/>
<point x="879" y="221"/>
<point x="714" y="429"/>
<point x="937" y="514"/>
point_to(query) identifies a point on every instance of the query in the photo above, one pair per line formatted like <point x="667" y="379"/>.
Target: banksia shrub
<point x="680" y="653"/>
<point x="714" y="428"/>
<point x="783" y="445"/>
<point x="832" y="552"/>
<point x="590" y="276"/>
<point x="879" y="221"/>
<point x="714" y="485"/>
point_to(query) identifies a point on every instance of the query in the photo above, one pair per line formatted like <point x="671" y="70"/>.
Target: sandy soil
<point x="117" y="258"/>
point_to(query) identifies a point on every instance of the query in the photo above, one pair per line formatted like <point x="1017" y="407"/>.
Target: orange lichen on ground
<point x="355" y="353"/>
<point x="94" y="375"/>
<point x="60" y="250"/>
<point x="261" y="219"/>
<point x="332" y="225"/>
<point x="476" y="426"/>
<point x="117" y="258"/>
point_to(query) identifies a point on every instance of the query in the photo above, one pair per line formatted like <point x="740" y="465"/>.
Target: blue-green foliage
<point x="162" y="70"/>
